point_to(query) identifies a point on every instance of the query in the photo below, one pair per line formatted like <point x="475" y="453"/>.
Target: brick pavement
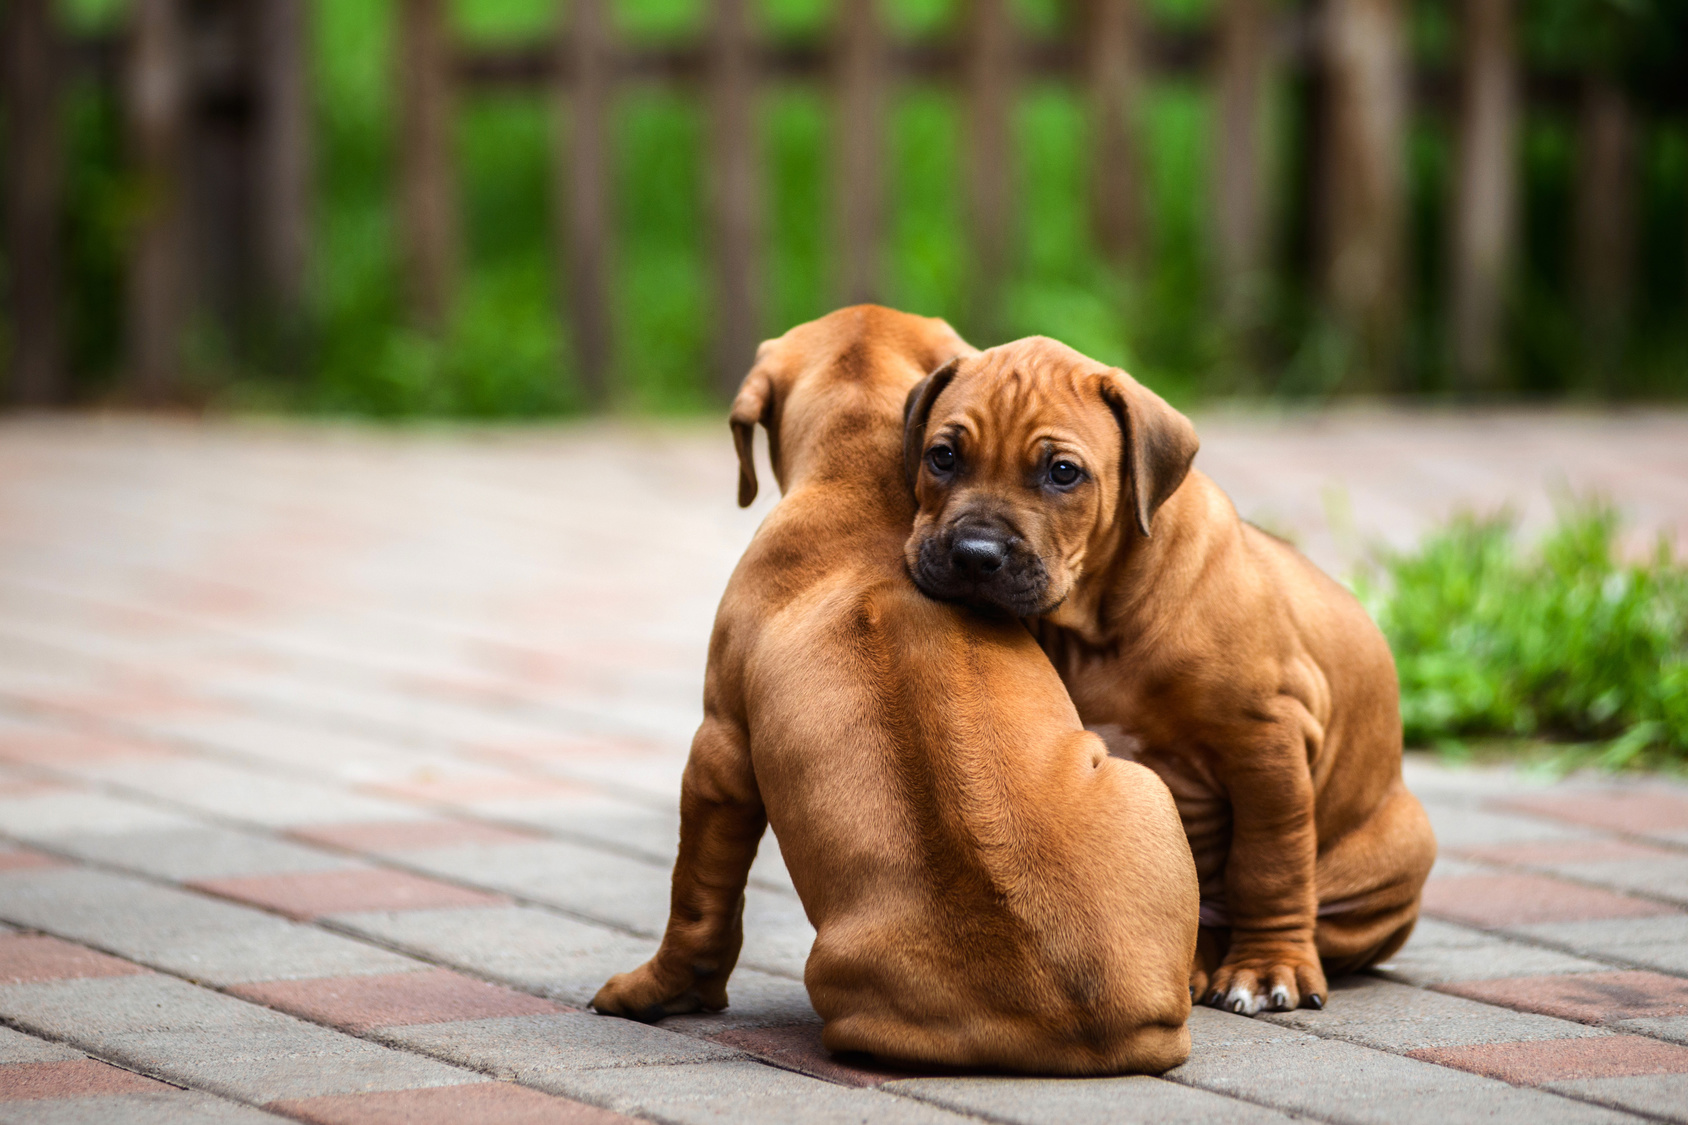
<point x="338" y="769"/>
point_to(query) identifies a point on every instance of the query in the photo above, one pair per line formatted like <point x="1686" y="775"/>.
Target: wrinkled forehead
<point x="1016" y="401"/>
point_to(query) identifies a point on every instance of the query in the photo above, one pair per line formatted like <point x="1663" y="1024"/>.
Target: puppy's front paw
<point x="1274" y="979"/>
<point x="645" y="994"/>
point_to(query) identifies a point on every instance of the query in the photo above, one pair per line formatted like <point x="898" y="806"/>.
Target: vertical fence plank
<point x="156" y="282"/>
<point x="1244" y="62"/>
<point x="1365" y="61"/>
<point x="584" y="182"/>
<point x="859" y="128"/>
<point x="284" y="155"/>
<point x="34" y="184"/>
<point x="1605" y="216"/>
<point x="1485" y="191"/>
<point x="427" y="186"/>
<point x="1112" y="50"/>
<point x="733" y="196"/>
<point x="989" y="78"/>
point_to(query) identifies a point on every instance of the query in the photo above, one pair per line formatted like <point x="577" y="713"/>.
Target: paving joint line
<point x="266" y="767"/>
<point x="296" y="650"/>
<point x="399" y="1047"/>
<point x="144" y="797"/>
<point x="49" y="1037"/>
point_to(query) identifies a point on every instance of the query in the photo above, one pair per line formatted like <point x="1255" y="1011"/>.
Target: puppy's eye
<point x="1064" y="474"/>
<point x="941" y="458"/>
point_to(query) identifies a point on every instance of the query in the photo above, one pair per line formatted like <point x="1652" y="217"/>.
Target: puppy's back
<point x="987" y="886"/>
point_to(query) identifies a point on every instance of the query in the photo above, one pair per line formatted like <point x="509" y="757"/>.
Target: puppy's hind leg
<point x="721" y="823"/>
<point x="1370" y="882"/>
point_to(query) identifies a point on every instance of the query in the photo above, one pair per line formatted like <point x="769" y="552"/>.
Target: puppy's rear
<point x="988" y="887"/>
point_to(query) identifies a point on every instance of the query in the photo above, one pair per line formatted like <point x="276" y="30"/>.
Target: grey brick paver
<point x="1664" y="1096"/>
<point x="173" y="1108"/>
<point x="1345" y="1082"/>
<point x="52" y="816"/>
<point x="167" y="1027"/>
<point x="1672" y="1028"/>
<point x="1440" y="952"/>
<point x="181" y="932"/>
<point x="1657" y="943"/>
<point x="534" y="1049"/>
<point x="623" y="892"/>
<point x="1399" y="1018"/>
<point x="1133" y="1100"/>
<point x="529" y="948"/>
<point x="16" y="1047"/>
<point x="714" y="1093"/>
<point x="201" y="852"/>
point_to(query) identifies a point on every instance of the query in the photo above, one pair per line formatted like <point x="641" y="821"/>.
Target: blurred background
<point x="508" y="208"/>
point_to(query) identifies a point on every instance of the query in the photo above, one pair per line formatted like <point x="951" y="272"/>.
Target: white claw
<point x="1243" y="1002"/>
<point x="1280" y="999"/>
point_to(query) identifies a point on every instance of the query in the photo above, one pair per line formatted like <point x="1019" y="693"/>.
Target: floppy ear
<point x="1160" y="443"/>
<point x="755" y="403"/>
<point x="917" y="408"/>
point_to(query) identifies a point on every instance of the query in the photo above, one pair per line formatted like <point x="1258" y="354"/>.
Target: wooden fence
<point x="219" y="119"/>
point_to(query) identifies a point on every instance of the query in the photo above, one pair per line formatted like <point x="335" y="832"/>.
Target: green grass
<point x="1567" y="641"/>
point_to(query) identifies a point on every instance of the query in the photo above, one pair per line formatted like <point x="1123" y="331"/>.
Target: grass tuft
<point x="1567" y="641"/>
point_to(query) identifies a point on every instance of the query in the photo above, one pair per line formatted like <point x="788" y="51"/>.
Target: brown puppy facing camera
<point x="1056" y="488"/>
<point x="988" y="887"/>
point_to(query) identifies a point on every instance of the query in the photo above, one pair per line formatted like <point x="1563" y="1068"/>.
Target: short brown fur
<point x="1198" y="645"/>
<point x="988" y="887"/>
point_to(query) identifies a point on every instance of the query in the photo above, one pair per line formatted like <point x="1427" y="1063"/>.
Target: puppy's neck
<point x="852" y="457"/>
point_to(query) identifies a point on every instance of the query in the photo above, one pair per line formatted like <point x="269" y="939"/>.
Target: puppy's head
<point x="833" y="384"/>
<point x="1027" y="461"/>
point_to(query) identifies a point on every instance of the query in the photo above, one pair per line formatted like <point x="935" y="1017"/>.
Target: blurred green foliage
<point x="506" y="353"/>
<point x="1567" y="641"/>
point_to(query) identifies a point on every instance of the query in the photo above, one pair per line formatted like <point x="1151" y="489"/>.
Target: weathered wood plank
<point x="1605" y="217"/>
<point x="862" y="102"/>
<point x="284" y="154"/>
<point x="989" y="91"/>
<point x="1364" y="190"/>
<point x="34" y="187"/>
<point x="583" y="179"/>
<point x="1243" y="67"/>
<point x="734" y="197"/>
<point x="156" y="297"/>
<point x="427" y="174"/>
<point x="1111" y="33"/>
<point x="1485" y="191"/>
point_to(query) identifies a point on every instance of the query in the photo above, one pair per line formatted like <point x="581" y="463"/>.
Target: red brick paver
<point x="28" y="958"/>
<point x="1584" y="997"/>
<point x="409" y="835"/>
<point x="23" y="788"/>
<point x="488" y="1103"/>
<point x="1619" y="811"/>
<point x="19" y="860"/>
<point x="392" y="999"/>
<point x="1520" y="900"/>
<point x="311" y="894"/>
<point x="1544" y="852"/>
<point x="1561" y="1060"/>
<point x="74" y="1078"/>
<point x="53" y="749"/>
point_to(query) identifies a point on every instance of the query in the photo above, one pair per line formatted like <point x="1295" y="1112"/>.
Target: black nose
<point x="977" y="555"/>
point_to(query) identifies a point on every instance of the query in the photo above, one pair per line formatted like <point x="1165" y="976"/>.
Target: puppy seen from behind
<point x="989" y="887"/>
